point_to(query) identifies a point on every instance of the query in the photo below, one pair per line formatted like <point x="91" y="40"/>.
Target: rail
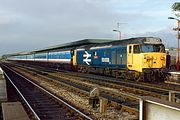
<point x="26" y="101"/>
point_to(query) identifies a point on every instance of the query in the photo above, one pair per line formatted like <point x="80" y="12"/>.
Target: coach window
<point x="130" y="49"/>
<point x="136" y="49"/>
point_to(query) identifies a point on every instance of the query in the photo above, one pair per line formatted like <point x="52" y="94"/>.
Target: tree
<point x="176" y="6"/>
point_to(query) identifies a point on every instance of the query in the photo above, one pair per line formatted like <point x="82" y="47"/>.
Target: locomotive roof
<point x="138" y="40"/>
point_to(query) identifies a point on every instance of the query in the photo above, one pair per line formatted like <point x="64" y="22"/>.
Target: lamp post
<point x="178" y="21"/>
<point x="119" y="35"/>
<point x="117" y="30"/>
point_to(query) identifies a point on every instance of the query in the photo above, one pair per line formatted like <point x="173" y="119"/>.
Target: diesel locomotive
<point x="140" y="59"/>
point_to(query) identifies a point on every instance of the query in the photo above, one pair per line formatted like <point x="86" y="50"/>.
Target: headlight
<point x="162" y="58"/>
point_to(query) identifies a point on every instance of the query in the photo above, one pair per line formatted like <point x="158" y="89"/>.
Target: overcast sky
<point x="26" y="25"/>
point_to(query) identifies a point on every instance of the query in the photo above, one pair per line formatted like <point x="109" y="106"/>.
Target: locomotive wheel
<point x="117" y="75"/>
<point x="139" y="77"/>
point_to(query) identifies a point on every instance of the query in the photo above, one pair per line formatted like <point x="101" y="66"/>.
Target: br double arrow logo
<point x="86" y="58"/>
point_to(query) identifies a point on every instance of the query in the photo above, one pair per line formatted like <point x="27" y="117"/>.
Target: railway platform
<point x="3" y="93"/>
<point x="14" y="111"/>
<point x="158" y="109"/>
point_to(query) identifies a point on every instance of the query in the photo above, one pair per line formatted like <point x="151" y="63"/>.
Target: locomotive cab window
<point x="130" y="49"/>
<point x="152" y="48"/>
<point x="136" y="49"/>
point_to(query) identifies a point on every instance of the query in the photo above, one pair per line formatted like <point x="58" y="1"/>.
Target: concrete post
<point x="103" y="105"/>
<point x="172" y="97"/>
<point x="94" y="97"/>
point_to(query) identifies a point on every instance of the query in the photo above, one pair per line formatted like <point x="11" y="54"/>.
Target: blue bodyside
<point x="20" y="57"/>
<point x="41" y="56"/>
<point x="115" y="56"/>
<point x="30" y="56"/>
<point x="59" y="55"/>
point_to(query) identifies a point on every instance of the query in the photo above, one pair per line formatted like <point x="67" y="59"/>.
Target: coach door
<point x="130" y="56"/>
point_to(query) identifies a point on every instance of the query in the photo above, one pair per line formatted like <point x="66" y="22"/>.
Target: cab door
<point x="130" y="56"/>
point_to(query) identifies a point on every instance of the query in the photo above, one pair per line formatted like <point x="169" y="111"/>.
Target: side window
<point x="94" y="53"/>
<point x="130" y="49"/>
<point x="105" y="53"/>
<point x="136" y="49"/>
<point x="113" y="57"/>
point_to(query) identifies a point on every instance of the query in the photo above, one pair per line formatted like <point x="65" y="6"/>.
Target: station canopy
<point x="73" y="44"/>
<point x="15" y="54"/>
<point x="63" y="46"/>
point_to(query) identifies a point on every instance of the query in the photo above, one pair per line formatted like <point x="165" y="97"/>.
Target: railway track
<point x="160" y="90"/>
<point x="84" y="83"/>
<point x="137" y="88"/>
<point x="141" y="89"/>
<point x="127" y="102"/>
<point x="42" y="103"/>
<point x="157" y="87"/>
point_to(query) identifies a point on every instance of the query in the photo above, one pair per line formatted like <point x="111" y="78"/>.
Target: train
<point x="139" y="59"/>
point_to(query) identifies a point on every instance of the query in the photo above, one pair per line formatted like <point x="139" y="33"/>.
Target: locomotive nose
<point x="154" y="60"/>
